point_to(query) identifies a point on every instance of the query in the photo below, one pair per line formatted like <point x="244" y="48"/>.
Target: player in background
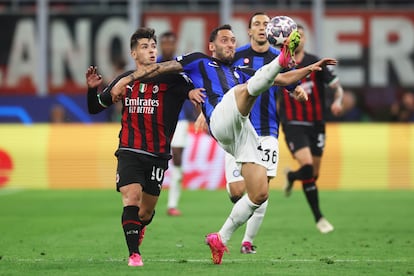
<point x="304" y="128"/>
<point x="230" y="95"/>
<point x="168" y="48"/>
<point x="265" y="120"/>
<point x="149" y="117"/>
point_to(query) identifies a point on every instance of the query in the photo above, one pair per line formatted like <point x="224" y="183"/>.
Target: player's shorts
<point x="140" y="168"/>
<point x="301" y="136"/>
<point x="270" y="146"/>
<point x="234" y="132"/>
<point x="180" y="137"/>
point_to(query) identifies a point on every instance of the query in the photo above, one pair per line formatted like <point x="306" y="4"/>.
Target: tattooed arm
<point x="145" y="72"/>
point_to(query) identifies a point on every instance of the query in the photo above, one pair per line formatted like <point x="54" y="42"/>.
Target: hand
<point x="119" y="89"/>
<point x="336" y="108"/>
<point x="300" y="94"/>
<point x="93" y="79"/>
<point x="317" y="66"/>
<point x="200" y="125"/>
<point x="197" y="96"/>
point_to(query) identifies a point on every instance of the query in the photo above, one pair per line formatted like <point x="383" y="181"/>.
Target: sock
<point x="174" y="191"/>
<point x="254" y="222"/>
<point x="264" y="78"/>
<point x="311" y="193"/>
<point x="240" y="213"/>
<point x="303" y="173"/>
<point x="131" y="225"/>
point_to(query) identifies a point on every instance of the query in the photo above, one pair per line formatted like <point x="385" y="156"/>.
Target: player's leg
<point x="178" y="143"/>
<point x="128" y="184"/>
<point x="236" y="135"/>
<point x="270" y="146"/>
<point x="264" y="77"/>
<point x="236" y="188"/>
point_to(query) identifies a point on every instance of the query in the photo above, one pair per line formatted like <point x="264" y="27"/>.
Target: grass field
<point x="78" y="233"/>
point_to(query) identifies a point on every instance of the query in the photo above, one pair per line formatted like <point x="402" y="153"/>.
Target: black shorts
<point x="140" y="168"/>
<point x="300" y="136"/>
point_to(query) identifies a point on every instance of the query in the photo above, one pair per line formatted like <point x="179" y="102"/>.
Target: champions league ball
<point x="278" y="29"/>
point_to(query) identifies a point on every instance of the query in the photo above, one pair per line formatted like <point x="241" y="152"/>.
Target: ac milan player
<point x="304" y="128"/>
<point x="149" y="118"/>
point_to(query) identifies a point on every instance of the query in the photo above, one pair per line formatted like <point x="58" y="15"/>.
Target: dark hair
<point x="301" y="27"/>
<point x="168" y="34"/>
<point x="251" y="18"/>
<point x="214" y="33"/>
<point x="142" y="32"/>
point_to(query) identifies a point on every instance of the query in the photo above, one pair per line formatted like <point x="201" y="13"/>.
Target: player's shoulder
<point x="190" y="57"/>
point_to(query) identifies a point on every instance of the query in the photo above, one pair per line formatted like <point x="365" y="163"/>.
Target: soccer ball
<point x="278" y="29"/>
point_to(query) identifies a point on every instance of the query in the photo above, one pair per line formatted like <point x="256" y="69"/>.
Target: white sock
<point x="240" y="213"/>
<point x="254" y="222"/>
<point x="174" y="191"/>
<point x="264" y="78"/>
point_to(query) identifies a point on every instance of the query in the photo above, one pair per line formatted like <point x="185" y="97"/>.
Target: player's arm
<point x="292" y="76"/>
<point x="336" y="107"/>
<point x="95" y="101"/>
<point x="145" y="72"/>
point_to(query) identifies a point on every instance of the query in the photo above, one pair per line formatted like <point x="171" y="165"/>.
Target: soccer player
<point x="149" y="117"/>
<point x="265" y="120"/>
<point x="230" y="94"/>
<point x="168" y="47"/>
<point x="304" y="128"/>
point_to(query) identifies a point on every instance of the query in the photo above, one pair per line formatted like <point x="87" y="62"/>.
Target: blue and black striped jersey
<point x="213" y="75"/>
<point x="264" y="115"/>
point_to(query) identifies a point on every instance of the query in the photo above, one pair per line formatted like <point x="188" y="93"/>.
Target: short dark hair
<point x="251" y="18"/>
<point x="142" y="32"/>
<point x="214" y="33"/>
<point x="301" y="27"/>
<point x="168" y="34"/>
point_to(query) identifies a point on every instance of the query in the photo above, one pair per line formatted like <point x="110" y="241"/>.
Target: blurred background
<point x="46" y="47"/>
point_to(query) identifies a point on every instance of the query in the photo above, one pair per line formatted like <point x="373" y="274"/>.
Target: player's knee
<point x="307" y="171"/>
<point x="147" y="218"/>
<point x="235" y="198"/>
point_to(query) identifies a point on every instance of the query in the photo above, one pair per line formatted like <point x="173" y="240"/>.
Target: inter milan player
<point x="230" y="95"/>
<point x="149" y="117"/>
<point x="304" y="128"/>
<point x="265" y="120"/>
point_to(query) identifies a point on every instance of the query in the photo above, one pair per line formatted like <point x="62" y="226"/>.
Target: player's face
<point x="224" y="46"/>
<point x="257" y="31"/>
<point x="145" y="52"/>
<point x="168" y="47"/>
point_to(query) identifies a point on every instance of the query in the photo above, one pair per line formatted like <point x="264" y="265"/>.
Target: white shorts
<point x="270" y="147"/>
<point x="180" y="135"/>
<point x="234" y="132"/>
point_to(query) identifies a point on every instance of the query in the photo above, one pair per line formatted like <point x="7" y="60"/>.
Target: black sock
<point x="132" y="226"/>
<point x="311" y="193"/>
<point x="303" y="173"/>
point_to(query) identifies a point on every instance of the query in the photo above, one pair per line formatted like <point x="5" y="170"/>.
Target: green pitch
<point x="79" y="233"/>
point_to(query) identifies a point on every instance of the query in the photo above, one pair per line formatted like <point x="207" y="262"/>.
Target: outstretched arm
<point x="292" y="76"/>
<point x="94" y="100"/>
<point x="145" y="72"/>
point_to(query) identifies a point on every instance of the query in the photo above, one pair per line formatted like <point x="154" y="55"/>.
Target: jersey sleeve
<point x="97" y="102"/>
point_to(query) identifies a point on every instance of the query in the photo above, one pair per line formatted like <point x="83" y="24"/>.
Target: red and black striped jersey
<point x="150" y="112"/>
<point x="315" y="85"/>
